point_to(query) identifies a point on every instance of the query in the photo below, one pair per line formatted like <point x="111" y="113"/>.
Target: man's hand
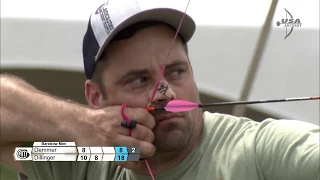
<point x="102" y="127"/>
<point x="30" y="115"/>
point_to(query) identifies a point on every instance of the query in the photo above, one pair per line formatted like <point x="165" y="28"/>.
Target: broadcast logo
<point x="289" y="23"/>
<point x="22" y="154"/>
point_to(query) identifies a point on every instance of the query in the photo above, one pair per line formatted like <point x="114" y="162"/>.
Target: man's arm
<point x="289" y="150"/>
<point x="29" y="115"/>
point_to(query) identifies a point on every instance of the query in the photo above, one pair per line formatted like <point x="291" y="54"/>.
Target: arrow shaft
<point x="239" y="103"/>
<point x="260" y="101"/>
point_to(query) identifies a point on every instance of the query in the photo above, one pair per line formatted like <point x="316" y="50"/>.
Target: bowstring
<point x="161" y="74"/>
<point x="163" y="67"/>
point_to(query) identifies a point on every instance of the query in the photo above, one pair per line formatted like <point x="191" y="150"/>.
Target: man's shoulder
<point x="214" y="120"/>
<point x="240" y="142"/>
<point x="224" y="128"/>
<point x="226" y="121"/>
<point x="221" y="130"/>
<point x="253" y="132"/>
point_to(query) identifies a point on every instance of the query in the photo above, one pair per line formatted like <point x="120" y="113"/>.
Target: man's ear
<point x="93" y="94"/>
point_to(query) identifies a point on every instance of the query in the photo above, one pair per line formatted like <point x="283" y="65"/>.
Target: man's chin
<point x="170" y="140"/>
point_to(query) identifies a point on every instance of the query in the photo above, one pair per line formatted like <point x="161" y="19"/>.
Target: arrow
<point x="182" y="105"/>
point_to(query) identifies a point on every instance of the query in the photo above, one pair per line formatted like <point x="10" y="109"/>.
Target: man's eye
<point x="138" y="82"/>
<point x="177" y="73"/>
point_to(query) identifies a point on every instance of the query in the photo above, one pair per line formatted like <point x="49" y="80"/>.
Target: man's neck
<point x="165" y="162"/>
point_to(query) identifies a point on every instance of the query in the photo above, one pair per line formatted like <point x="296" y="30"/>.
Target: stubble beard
<point x="173" y="138"/>
<point x="177" y="136"/>
<point x="175" y="141"/>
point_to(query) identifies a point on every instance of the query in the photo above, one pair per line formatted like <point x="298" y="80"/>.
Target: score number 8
<point x="85" y="156"/>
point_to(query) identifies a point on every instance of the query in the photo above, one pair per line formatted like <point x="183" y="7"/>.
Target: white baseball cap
<point x="115" y="15"/>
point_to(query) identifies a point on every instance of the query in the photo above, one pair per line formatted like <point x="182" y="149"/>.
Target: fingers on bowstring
<point x="139" y="136"/>
<point x="140" y="116"/>
<point x="140" y="132"/>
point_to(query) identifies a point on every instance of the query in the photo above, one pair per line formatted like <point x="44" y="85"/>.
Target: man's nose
<point x="163" y="94"/>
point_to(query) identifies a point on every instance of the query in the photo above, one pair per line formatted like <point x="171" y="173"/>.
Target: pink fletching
<point x="180" y="106"/>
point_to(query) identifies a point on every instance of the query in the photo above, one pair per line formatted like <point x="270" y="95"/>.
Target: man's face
<point x="134" y="66"/>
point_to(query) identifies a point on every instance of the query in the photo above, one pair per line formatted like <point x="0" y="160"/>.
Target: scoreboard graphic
<point x="68" y="151"/>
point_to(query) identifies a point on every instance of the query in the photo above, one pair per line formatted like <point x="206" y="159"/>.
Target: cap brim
<point x="165" y="15"/>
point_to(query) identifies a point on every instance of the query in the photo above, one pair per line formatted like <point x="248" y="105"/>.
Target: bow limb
<point x="240" y="110"/>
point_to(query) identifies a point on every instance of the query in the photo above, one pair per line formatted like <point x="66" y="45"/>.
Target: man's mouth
<point x="167" y="116"/>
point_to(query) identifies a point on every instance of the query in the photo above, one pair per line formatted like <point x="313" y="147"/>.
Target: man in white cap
<point x="125" y="46"/>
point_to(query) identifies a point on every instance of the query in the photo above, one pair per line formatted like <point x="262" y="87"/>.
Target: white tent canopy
<point x="48" y="34"/>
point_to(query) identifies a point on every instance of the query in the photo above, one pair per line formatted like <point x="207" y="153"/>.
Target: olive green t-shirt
<point x="231" y="148"/>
